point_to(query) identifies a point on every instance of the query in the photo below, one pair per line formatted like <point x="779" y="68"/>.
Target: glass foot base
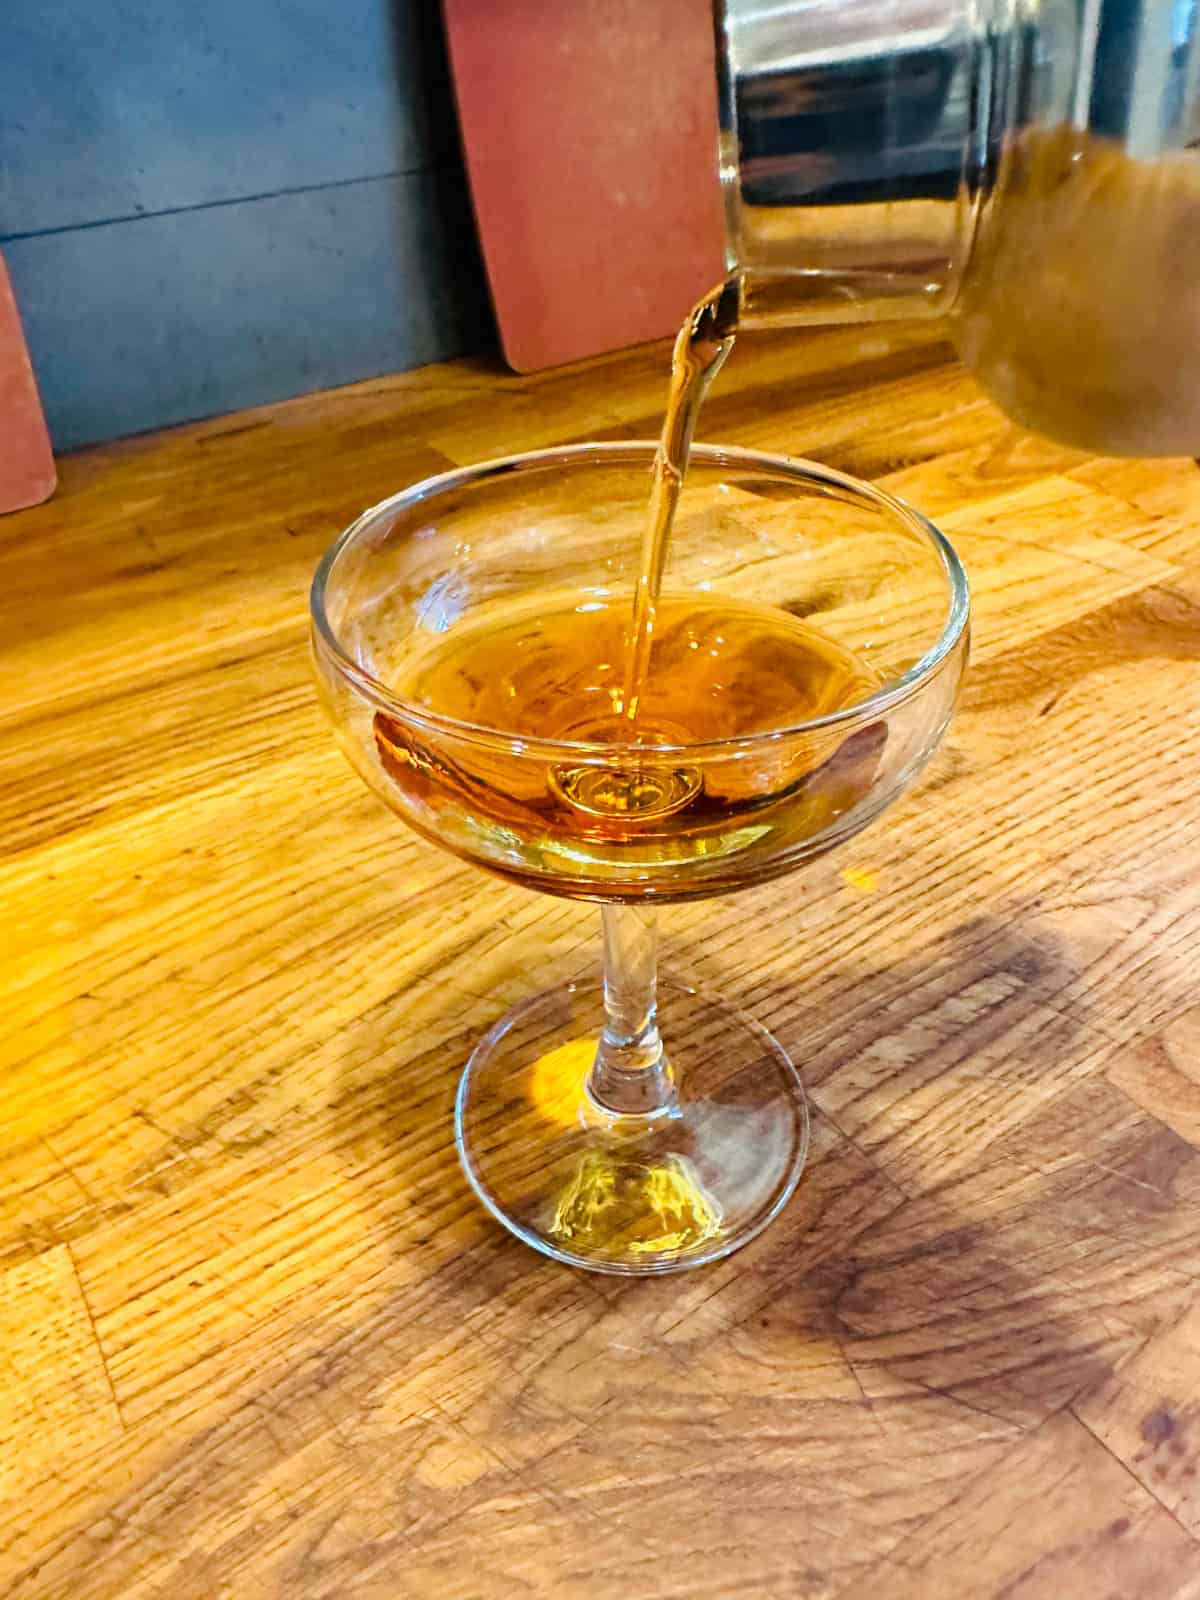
<point x="631" y="1194"/>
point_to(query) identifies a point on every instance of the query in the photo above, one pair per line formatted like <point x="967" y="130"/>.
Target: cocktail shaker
<point x="1029" y="170"/>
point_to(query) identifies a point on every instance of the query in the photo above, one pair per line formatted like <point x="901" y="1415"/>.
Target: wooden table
<point x="256" y="1337"/>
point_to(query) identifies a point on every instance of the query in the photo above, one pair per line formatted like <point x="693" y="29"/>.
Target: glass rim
<point x="886" y="698"/>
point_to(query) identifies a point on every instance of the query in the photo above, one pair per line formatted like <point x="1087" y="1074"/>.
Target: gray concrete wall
<point x="210" y="206"/>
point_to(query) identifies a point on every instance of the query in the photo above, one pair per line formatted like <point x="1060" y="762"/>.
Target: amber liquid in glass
<point x="648" y="687"/>
<point x="556" y="670"/>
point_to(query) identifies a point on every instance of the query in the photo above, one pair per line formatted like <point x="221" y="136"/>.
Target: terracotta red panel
<point x="590" y="129"/>
<point x="26" y="464"/>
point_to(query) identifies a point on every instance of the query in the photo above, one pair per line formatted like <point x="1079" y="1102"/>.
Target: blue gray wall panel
<point x="209" y="206"/>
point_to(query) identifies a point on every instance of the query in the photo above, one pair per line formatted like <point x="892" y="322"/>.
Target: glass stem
<point x="631" y="1076"/>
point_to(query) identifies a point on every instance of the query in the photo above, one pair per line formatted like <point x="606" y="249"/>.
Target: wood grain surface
<point x="256" y="1337"/>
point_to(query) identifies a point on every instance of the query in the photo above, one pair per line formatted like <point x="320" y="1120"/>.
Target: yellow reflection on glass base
<point x="616" y="1203"/>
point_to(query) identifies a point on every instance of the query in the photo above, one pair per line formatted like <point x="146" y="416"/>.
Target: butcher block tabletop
<point x="257" y="1338"/>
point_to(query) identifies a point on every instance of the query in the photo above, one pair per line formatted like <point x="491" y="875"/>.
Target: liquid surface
<point x="717" y="669"/>
<point x="645" y="805"/>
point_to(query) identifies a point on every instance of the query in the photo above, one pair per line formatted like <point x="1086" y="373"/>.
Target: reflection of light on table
<point x="556" y="1080"/>
<point x="864" y="879"/>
